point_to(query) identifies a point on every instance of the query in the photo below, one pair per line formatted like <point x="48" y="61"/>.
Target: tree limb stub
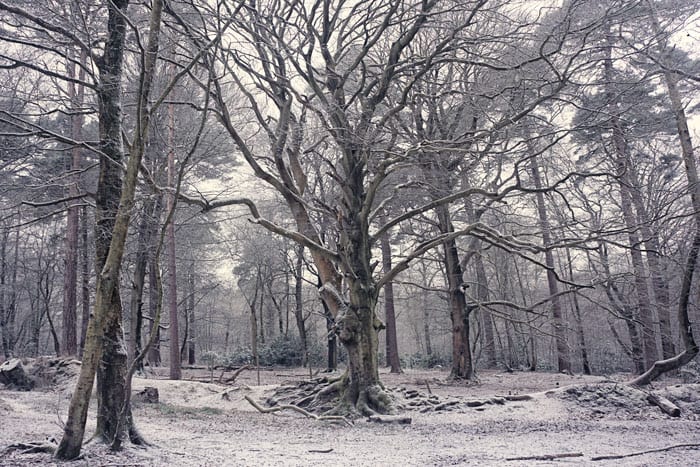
<point x="332" y="418"/>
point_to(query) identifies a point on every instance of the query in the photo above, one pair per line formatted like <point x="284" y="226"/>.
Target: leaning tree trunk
<point x="104" y="351"/>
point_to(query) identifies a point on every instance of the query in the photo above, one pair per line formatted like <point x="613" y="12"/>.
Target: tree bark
<point x="84" y="279"/>
<point x="154" y="358"/>
<point x="299" y="305"/>
<point x="462" y="367"/>
<point x="146" y="231"/>
<point x="585" y="364"/>
<point x="192" y="337"/>
<point x="563" y="357"/>
<point x="70" y="275"/>
<point x="482" y="295"/>
<point x="173" y="330"/>
<point x="392" y="348"/>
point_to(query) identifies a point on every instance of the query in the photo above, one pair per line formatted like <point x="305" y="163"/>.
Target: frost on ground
<point x="485" y="423"/>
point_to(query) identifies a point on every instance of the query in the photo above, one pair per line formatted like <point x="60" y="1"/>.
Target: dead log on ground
<point x="666" y="406"/>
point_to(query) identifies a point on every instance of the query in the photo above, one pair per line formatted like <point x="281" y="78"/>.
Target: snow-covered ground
<point x="193" y="425"/>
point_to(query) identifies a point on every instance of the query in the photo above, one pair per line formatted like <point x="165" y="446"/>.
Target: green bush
<point x="280" y="351"/>
<point x="420" y="360"/>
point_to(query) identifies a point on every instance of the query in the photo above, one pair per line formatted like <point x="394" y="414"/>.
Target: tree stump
<point x="149" y="395"/>
<point x="12" y="375"/>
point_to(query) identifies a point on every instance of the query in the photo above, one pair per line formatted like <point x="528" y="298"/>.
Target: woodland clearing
<point x="201" y="423"/>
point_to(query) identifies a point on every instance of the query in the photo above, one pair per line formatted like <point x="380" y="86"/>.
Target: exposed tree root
<point x="650" y="451"/>
<point x="49" y="447"/>
<point x="374" y="400"/>
<point x="390" y="419"/>
<point x="333" y="418"/>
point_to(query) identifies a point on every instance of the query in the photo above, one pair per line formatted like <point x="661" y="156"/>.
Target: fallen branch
<point x="231" y="379"/>
<point x="546" y="457"/>
<point x="650" y="451"/>
<point x="298" y="409"/>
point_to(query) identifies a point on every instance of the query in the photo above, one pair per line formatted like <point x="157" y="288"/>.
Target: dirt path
<point x="193" y="425"/>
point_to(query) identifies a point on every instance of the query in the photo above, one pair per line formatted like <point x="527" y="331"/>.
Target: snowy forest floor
<point x="195" y="425"/>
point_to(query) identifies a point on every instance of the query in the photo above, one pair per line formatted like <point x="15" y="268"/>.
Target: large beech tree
<point x="322" y="84"/>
